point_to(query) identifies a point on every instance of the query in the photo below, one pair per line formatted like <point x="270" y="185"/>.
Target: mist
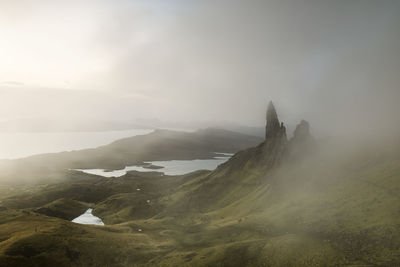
<point x="333" y="63"/>
<point x="199" y="133"/>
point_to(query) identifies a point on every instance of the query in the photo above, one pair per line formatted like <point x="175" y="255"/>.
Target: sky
<point x="333" y="63"/>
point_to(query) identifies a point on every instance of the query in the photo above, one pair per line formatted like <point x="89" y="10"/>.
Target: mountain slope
<point x="322" y="210"/>
<point x="281" y="203"/>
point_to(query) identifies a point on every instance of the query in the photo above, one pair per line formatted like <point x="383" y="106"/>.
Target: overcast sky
<point x="334" y="63"/>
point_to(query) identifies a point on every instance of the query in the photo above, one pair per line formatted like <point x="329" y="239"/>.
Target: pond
<point x="170" y="167"/>
<point x="88" y="218"/>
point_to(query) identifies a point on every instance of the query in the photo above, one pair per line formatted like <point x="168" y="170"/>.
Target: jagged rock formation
<point x="276" y="146"/>
<point x="273" y="126"/>
<point x="302" y="132"/>
<point x="247" y="169"/>
<point x="275" y="138"/>
<point x="302" y="141"/>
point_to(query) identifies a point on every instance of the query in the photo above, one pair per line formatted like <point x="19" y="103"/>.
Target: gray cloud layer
<point x="335" y="63"/>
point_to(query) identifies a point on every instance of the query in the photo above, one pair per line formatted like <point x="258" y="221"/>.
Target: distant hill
<point x="64" y="125"/>
<point x="158" y="145"/>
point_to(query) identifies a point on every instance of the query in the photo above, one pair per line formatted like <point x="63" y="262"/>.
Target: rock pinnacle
<point x="273" y="126"/>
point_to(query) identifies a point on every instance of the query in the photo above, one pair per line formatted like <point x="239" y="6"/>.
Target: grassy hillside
<point x="332" y="208"/>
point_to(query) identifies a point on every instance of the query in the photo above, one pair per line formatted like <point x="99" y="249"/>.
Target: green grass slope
<point x="336" y="207"/>
<point x="313" y="212"/>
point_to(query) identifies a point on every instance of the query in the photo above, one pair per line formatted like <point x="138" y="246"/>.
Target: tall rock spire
<point x="275" y="138"/>
<point x="273" y="126"/>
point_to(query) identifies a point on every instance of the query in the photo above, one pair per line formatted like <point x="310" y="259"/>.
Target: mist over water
<point x="18" y="145"/>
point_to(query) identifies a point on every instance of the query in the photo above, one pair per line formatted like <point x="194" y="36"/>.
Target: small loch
<point x="88" y="218"/>
<point x="169" y="167"/>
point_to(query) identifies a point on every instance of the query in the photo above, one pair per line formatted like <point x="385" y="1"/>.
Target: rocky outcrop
<point x="276" y="146"/>
<point x="275" y="138"/>
<point x="302" y="142"/>
<point x="302" y="132"/>
<point x="273" y="127"/>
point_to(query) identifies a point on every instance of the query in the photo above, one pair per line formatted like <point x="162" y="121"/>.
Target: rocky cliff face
<point x="302" y="142"/>
<point x="302" y="132"/>
<point x="275" y="138"/>
<point x="273" y="126"/>
<point x="276" y="146"/>
<point x="246" y="170"/>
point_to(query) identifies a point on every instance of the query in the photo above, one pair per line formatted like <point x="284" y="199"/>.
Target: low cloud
<point x="333" y="63"/>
